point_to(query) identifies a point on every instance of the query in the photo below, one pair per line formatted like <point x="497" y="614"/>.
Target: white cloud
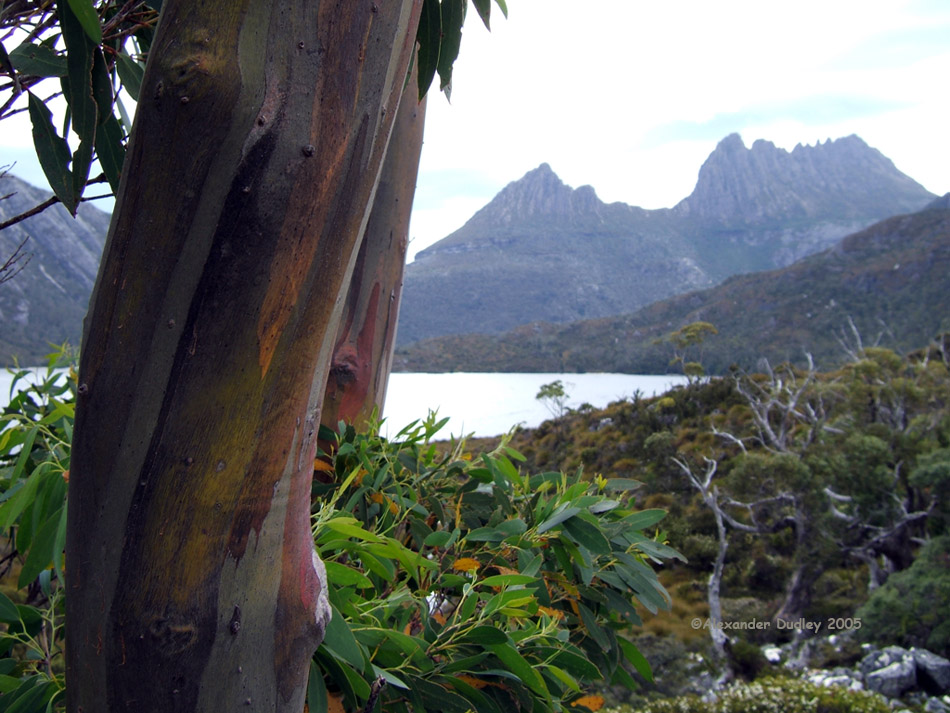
<point x="631" y="97"/>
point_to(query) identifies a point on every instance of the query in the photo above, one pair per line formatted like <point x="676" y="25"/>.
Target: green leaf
<point x="633" y="655"/>
<point x="381" y="567"/>
<point x="85" y="13"/>
<point x="42" y="549"/>
<point x="483" y="7"/>
<point x="453" y="15"/>
<point x="7" y="66"/>
<point x="350" y="530"/>
<point x="593" y="628"/>
<point x="101" y="86"/>
<point x="38" y="60"/>
<point x="442" y="538"/>
<point x="52" y="152"/>
<point x="59" y="545"/>
<point x="517" y="664"/>
<point x="8" y="610"/>
<point x="477" y="700"/>
<point x="502" y="5"/>
<point x="586" y="534"/>
<point x="437" y="698"/>
<point x="110" y="151"/>
<point x="79" y="61"/>
<point x="33" y="699"/>
<point x="557" y="518"/>
<point x="9" y="683"/>
<point x="390" y="678"/>
<point x="643" y="519"/>
<point x="316" y="689"/>
<point x="342" y="576"/>
<point x="577" y="665"/>
<point x="623" y="607"/>
<point x="82" y="162"/>
<point x="429" y="37"/>
<point x="504" y="580"/>
<point x="485" y="635"/>
<point x="564" y="677"/>
<point x="131" y="74"/>
<point x="338" y="639"/>
<point x="621" y="484"/>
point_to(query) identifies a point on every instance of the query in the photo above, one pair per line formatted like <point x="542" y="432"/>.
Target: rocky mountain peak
<point x="46" y="302"/>
<point x="765" y="183"/>
<point x="539" y="193"/>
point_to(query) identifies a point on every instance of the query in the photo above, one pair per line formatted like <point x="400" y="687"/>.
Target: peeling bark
<point x="193" y="584"/>
<point x="364" y="348"/>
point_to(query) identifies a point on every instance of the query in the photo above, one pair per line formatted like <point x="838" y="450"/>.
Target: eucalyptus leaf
<point x="483" y="7"/>
<point x="86" y="14"/>
<point x="586" y="534"/>
<point x="38" y="60"/>
<point x="52" y="152"/>
<point x="557" y="518"/>
<point x="643" y="519"/>
<point x="429" y="37"/>
<point x="131" y="74"/>
<point x="452" y="17"/>
<point x="633" y="655"/>
<point x="517" y="664"/>
<point x="42" y="549"/>
<point x="110" y="150"/>
<point x="339" y="640"/>
<point x="316" y="689"/>
<point x="8" y="610"/>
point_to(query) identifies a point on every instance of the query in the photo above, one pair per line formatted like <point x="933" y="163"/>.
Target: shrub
<point x="913" y="607"/>
<point x="457" y="583"/>
<point x="35" y="430"/>
<point x="771" y="695"/>
<point x="503" y="589"/>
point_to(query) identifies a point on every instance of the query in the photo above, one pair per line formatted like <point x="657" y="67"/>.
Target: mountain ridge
<point x="543" y="251"/>
<point x="892" y="277"/>
<point x="46" y="303"/>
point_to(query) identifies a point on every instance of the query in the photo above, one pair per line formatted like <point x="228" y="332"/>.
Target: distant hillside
<point x="542" y="251"/>
<point x="46" y="302"/>
<point x="892" y="277"/>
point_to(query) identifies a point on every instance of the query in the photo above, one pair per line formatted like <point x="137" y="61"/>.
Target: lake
<point x="490" y="404"/>
<point x="487" y="404"/>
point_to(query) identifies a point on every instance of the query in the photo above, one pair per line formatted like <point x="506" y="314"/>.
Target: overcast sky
<point x="631" y="96"/>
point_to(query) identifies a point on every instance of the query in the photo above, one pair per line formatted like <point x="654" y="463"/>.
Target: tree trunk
<point x="363" y="353"/>
<point x="713" y="593"/>
<point x="262" y="125"/>
<point x="800" y="584"/>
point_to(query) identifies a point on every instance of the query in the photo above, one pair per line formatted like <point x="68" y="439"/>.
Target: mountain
<point x="46" y="302"/>
<point x="892" y="278"/>
<point x="542" y="251"/>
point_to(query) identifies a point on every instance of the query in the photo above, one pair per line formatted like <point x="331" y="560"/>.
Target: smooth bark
<point x="363" y="354"/>
<point x="262" y="125"/>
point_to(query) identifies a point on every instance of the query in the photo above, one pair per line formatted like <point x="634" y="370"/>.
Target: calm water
<point x="488" y="404"/>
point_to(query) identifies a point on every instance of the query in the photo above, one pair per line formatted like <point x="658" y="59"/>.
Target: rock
<point x="773" y="654"/>
<point x="933" y="671"/>
<point x="878" y="659"/>
<point x="935" y="705"/>
<point x="844" y="677"/>
<point x="894" y="679"/>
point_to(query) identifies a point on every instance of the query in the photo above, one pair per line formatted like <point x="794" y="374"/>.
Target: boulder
<point x="933" y="671"/>
<point x="894" y="679"/>
<point x="935" y="705"/>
